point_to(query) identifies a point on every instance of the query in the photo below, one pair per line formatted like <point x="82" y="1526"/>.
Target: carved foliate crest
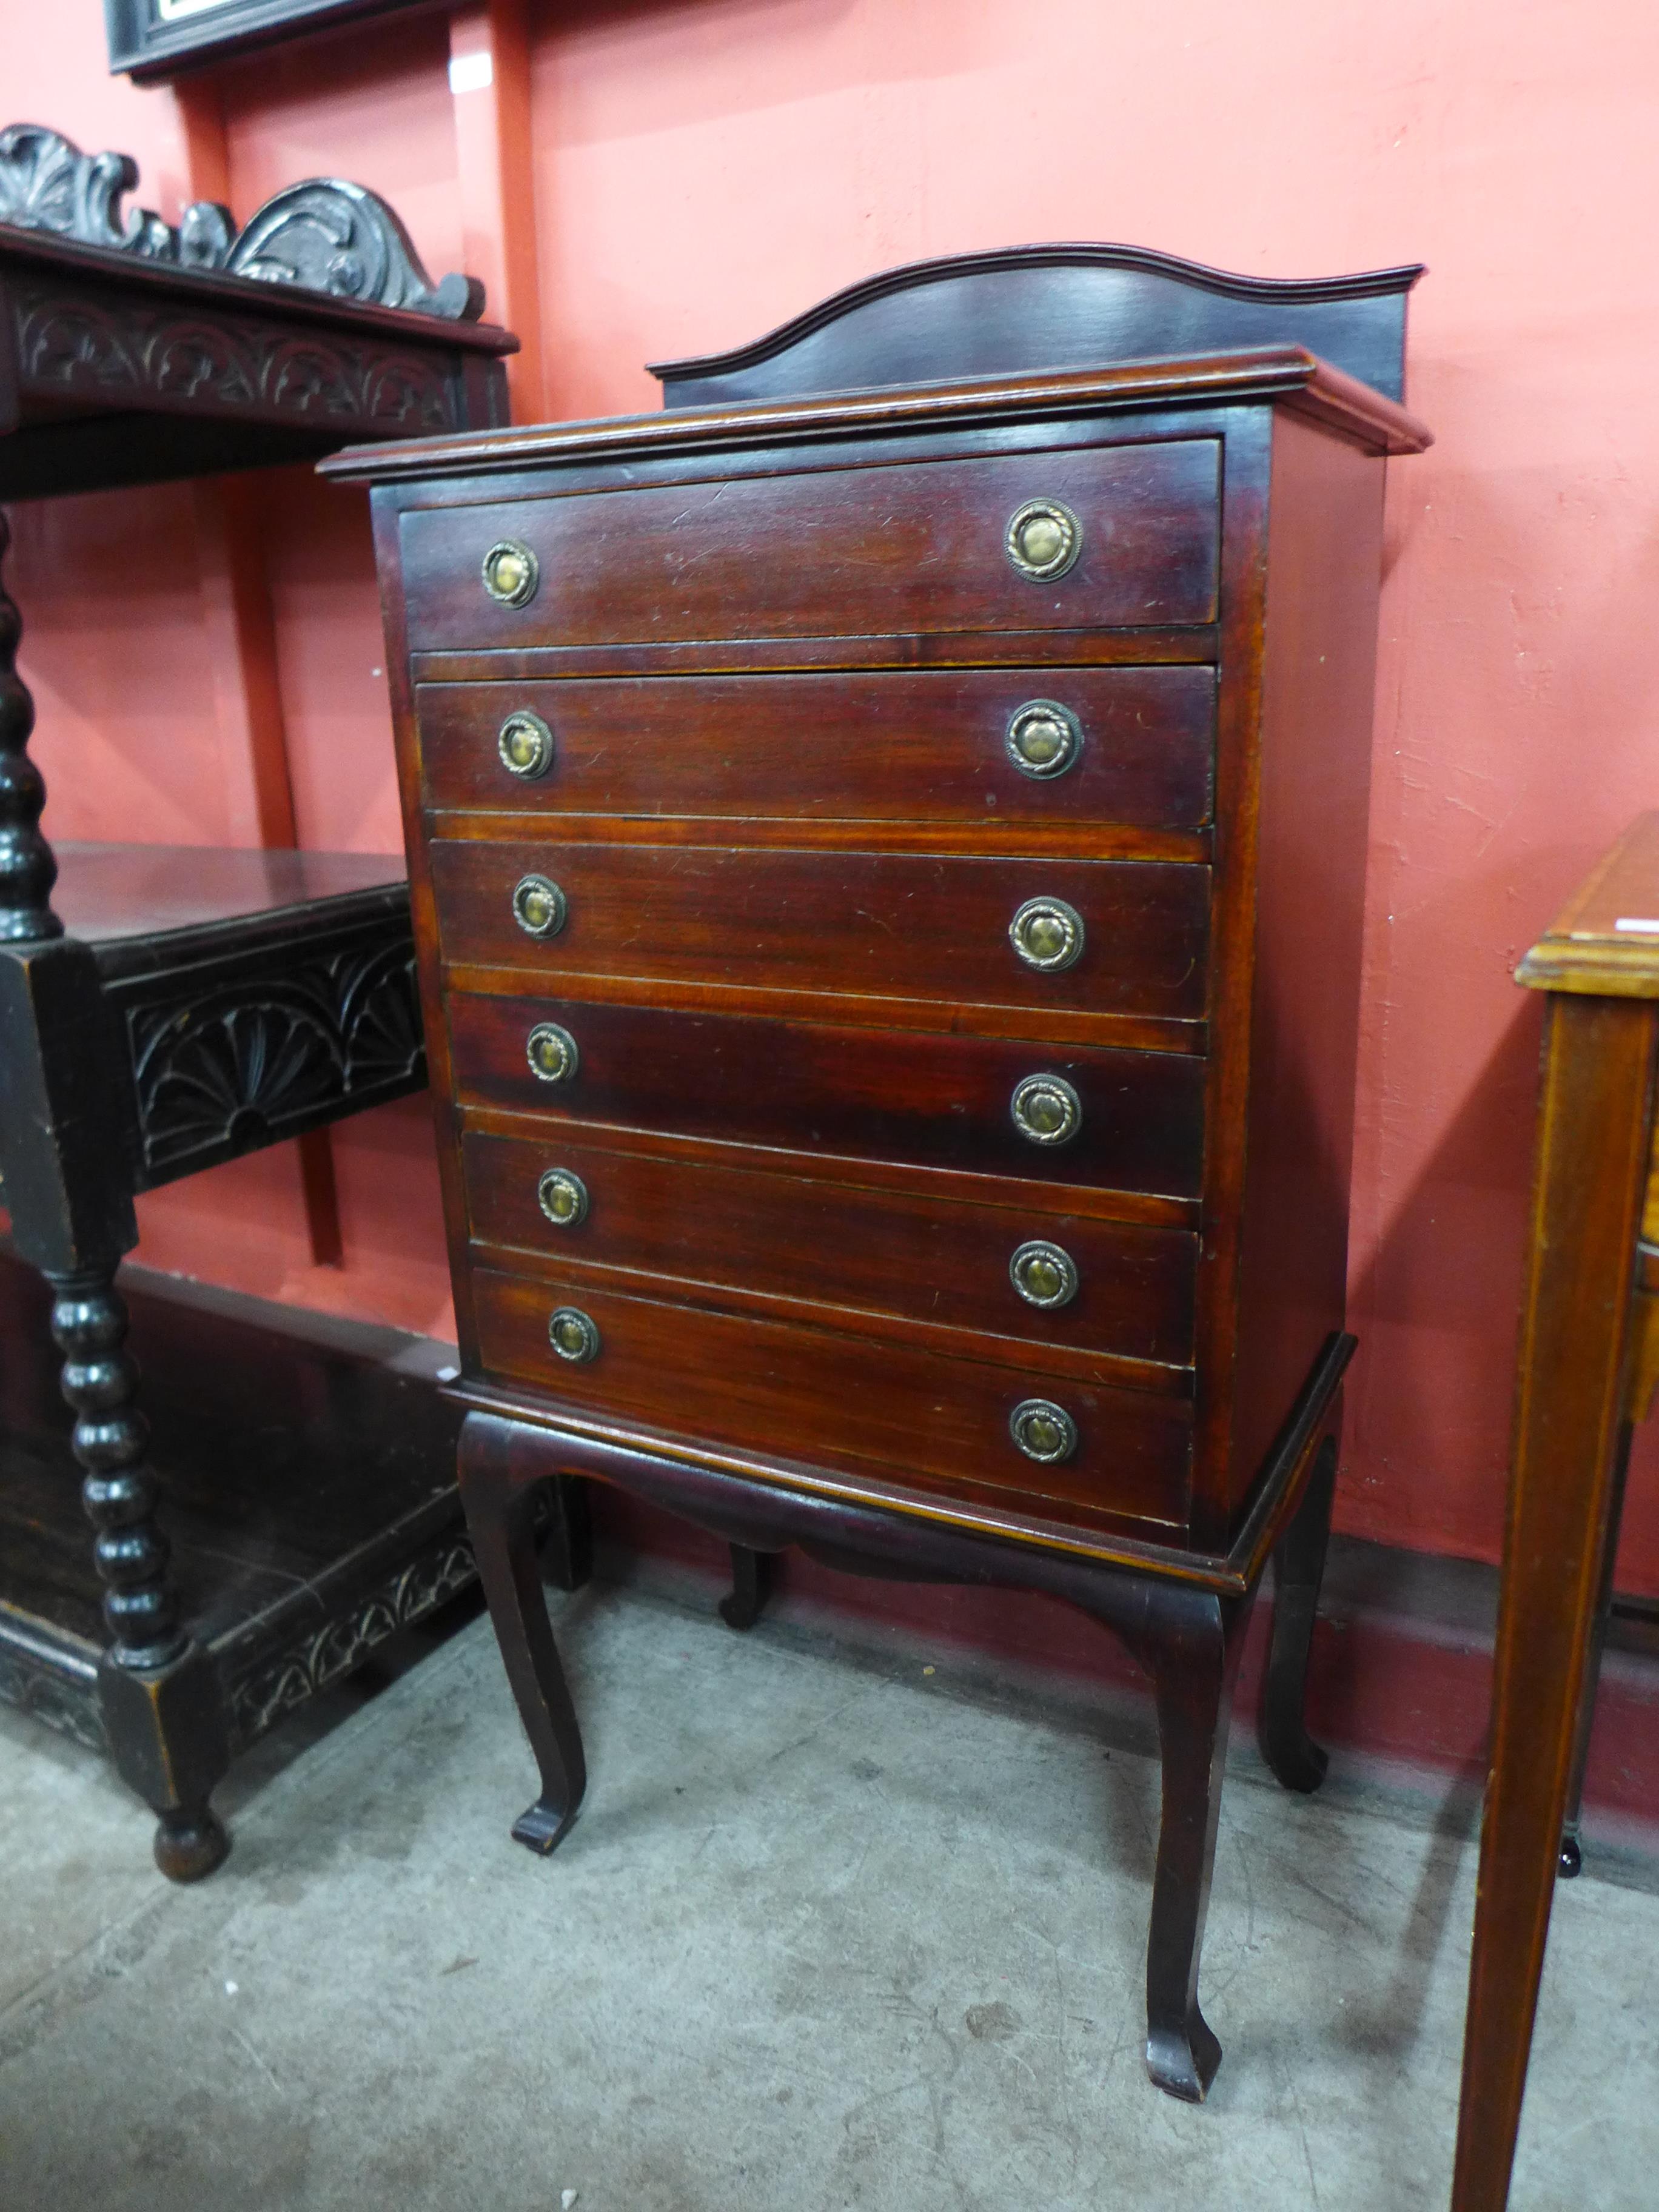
<point x="324" y="235"/>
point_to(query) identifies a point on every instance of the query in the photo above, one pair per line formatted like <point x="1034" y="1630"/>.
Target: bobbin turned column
<point x="63" y="1154"/>
<point x="28" y="869"/>
<point x="161" y="1700"/>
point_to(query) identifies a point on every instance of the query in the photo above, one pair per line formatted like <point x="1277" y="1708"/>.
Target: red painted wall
<point x="705" y="169"/>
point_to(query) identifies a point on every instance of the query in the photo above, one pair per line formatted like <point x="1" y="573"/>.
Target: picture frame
<point x="152" y="41"/>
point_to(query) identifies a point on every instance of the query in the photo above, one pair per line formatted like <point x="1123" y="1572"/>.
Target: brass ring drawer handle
<point x="1044" y="1275"/>
<point x="1048" y="934"/>
<point x="574" y="1334"/>
<point x="551" y="1052"/>
<point x="1043" y="539"/>
<point x="562" y="1197"/>
<point x="1046" y="1110"/>
<point x="1042" y="1430"/>
<point x="511" y="574"/>
<point x="539" y="907"/>
<point x="525" y="745"/>
<point x="1043" y="739"/>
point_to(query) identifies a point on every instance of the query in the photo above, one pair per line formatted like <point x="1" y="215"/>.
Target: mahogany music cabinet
<point x="887" y="839"/>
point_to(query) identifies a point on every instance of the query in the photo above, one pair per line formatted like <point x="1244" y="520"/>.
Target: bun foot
<point x="188" y="1845"/>
<point x="1182" y="2061"/>
<point x="542" y="1828"/>
<point x="1570" y="1862"/>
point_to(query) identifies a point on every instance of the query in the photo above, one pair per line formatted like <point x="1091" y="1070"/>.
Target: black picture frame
<point x="154" y="40"/>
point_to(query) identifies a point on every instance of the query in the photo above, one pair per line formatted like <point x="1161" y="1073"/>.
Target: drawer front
<point x="926" y="1420"/>
<point x="889" y="747"/>
<point x="1123" y="936"/>
<point x="925" y="1100"/>
<point x="894" y="550"/>
<point x="889" y="1252"/>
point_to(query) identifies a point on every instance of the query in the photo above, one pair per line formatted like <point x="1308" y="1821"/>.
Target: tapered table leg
<point x="1571" y="1857"/>
<point x="1587" y="1197"/>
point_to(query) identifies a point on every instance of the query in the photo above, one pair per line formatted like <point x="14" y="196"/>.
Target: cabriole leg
<point x="1299" y="1569"/>
<point x="1189" y="1642"/>
<point x="751" y="1574"/>
<point x="501" y="1514"/>
<point x="161" y="1700"/>
<point x="567" y="1535"/>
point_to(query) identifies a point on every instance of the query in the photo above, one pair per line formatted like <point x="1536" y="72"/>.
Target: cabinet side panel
<point x="1324" y="550"/>
<point x="385" y="506"/>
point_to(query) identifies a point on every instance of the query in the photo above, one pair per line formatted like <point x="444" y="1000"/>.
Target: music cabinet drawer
<point x="926" y="1420"/>
<point x="1117" y="936"/>
<point x="1126" y="1120"/>
<point x="1103" y="1285"/>
<point x="937" y="745"/>
<point x="1078" y="537"/>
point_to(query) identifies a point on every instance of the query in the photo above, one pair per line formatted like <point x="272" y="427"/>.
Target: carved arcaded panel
<point x="244" y="1060"/>
<point x="70" y="343"/>
<point x="324" y="235"/>
<point x="278" y="1685"/>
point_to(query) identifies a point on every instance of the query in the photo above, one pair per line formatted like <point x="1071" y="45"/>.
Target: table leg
<point x="162" y="1702"/>
<point x="1572" y="1859"/>
<point x="1298" y="1569"/>
<point x="751" y="1576"/>
<point x="1587" y="1196"/>
<point x="1189" y="1640"/>
<point x="499" y="1495"/>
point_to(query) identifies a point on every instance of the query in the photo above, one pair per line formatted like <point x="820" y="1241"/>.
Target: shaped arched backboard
<point x="1037" y="307"/>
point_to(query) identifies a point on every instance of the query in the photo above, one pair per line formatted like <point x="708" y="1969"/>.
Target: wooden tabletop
<point x="1606" y="938"/>
<point x="106" y="892"/>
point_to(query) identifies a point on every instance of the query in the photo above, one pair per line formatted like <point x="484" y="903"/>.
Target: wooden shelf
<point x="307" y="1477"/>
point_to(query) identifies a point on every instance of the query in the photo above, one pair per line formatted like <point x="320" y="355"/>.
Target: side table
<point x="174" y="1009"/>
<point x="1588" y="1363"/>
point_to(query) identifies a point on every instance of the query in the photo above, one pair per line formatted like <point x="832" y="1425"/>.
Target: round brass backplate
<point x="1043" y="539"/>
<point x="1042" y="1430"/>
<point x="539" y="906"/>
<point x="551" y="1052"/>
<point x="525" y="745"/>
<point x="574" y="1334"/>
<point x="1047" y="933"/>
<point x="1044" y="1275"/>
<point x="1043" y="739"/>
<point x="511" y="574"/>
<point x="563" y="1196"/>
<point x="1046" y="1110"/>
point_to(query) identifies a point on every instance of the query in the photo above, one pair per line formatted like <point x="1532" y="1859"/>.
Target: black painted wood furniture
<point x="300" y="1544"/>
<point x="887" y="839"/>
<point x="161" y="1011"/>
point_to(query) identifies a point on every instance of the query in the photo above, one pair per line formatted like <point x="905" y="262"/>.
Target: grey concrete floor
<point x="830" y="1932"/>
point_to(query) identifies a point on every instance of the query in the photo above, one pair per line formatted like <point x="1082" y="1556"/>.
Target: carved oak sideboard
<point x="161" y="1010"/>
<point x="887" y="842"/>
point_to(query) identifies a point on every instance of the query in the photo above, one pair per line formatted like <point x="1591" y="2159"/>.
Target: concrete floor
<point x="831" y="1932"/>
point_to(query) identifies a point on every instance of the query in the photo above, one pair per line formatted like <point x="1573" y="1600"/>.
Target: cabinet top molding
<point x="324" y="235"/>
<point x="1605" y="941"/>
<point x="1286" y="376"/>
<point x="1032" y="307"/>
